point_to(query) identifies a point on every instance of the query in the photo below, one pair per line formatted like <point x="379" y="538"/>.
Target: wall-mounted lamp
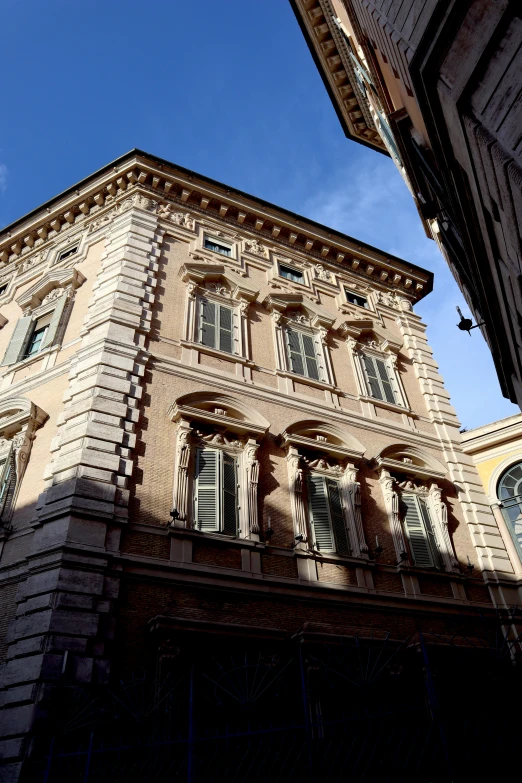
<point x="466" y="324"/>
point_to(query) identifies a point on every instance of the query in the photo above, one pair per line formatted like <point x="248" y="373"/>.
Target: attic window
<point x="291" y="274"/>
<point x="69" y="252"/>
<point x="3" y="289"/>
<point x="218" y="247"/>
<point x="356" y="299"/>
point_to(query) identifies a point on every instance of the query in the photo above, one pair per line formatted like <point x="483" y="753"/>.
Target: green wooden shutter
<point x="225" y="328"/>
<point x="55" y="322"/>
<point x="229" y="495"/>
<point x="206" y="504"/>
<point x="295" y="351"/>
<point x="426" y="517"/>
<point x="319" y="513"/>
<point x="416" y="532"/>
<point x="385" y="380"/>
<point x="337" y="516"/>
<point x="18" y="340"/>
<point x="208" y="323"/>
<point x="7" y="481"/>
<point x="312" y="370"/>
<point x="373" y="379"/>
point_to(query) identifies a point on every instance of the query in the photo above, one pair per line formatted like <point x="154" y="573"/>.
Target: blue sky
<point x="227" y="89"/>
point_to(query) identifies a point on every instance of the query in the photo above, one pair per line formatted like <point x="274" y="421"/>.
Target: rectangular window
<point x="38" y="335"/>
<point x="215" y="496"/>
<point x="216" y="326"/>
<point x="301" y="354"/>
<point x="69" y="252"/>
<point x="379" y="381"/>
<point x="326" y="515"/>
<point x="356" y="299"/>
<point x="419" y="531"/>
<point x="291" y="274"/>
<point x="217" y="247"/>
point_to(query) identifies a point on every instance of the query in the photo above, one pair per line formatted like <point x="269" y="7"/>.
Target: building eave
<point x="170" y="182"/>
<point x="334" y="85"/>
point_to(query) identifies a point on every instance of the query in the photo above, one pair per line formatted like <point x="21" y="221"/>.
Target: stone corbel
<point x="180" y="500"/>
<point x="391" y="502"/>
<point x="352" y="492"/>
<point x="440" y="518"/>
<point x="295" y="476"/>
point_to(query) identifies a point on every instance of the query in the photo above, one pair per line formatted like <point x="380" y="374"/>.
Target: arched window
<point x="510" y="495"/>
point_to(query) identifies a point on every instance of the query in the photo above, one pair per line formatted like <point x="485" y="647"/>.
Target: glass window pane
<point x="290" y="273"/>
<point x="217" y="247"/>
<point x="356" y="299"/>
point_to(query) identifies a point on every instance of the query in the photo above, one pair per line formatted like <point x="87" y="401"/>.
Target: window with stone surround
<point x="374" y="358"/>
<point x="218" y="246"/>
<point x="217" y="309"/>
<point x="356" y="299"/>
<point x="19" y="420"/>
<point x="300" y="330"/>
<point x="417" y="514"/>
<point x="217" y="470"/>
<point x="290" y="273"/>
<point x="324" y="493"/>
<point x="46" y="307"/>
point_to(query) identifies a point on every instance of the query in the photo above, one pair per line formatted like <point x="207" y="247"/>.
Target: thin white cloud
<point x="369" y="201"/>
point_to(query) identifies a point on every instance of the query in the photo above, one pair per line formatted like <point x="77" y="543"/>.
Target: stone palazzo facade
<point x="220" y="421"/>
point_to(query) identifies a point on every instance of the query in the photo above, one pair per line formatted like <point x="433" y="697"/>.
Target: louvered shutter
<point x="385" y="380"/>
<point x="435" y="551"/>
<point x="229" y="495"/>
<point x="312" y="370"/>
<point x="319" y="513"/>
<point x="18" y="340"/>
<point x="416" y="532"/>
<point x="225" y="328"/>
<point x="208" y="323"/>
<point x="373" y="380"/>
<point x="337" y="516"/>
<point x="295" y="352"/>
<point x="207" y="489"/>
<point x="55" y="322"/>
<point x="7" y="484"/>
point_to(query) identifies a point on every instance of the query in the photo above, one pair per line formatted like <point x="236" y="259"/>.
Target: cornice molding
<point x="327" y="45"/>
<point x="55" y="278"/>
<point x="161" y="184"/>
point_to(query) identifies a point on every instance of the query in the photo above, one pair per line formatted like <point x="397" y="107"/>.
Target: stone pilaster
<point x="64" y="625"/>
<point x="491" y="556"/>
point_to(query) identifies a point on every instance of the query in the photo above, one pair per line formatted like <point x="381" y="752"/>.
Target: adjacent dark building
<point x="437" y="85"/>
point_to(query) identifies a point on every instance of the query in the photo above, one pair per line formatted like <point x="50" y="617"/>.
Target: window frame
<point x="348" y="291"/>
<point x="312" y="476"/>
<point x="220" y="490"/>
<point x="319" y="358"/>
<point x="32" y="332"/>
<point x="389" y="359"/>
<point x="424" y="514"/>
<point x="219" y="306"/>
<point x="293" y="269"/>
<point x="221" y="242"/>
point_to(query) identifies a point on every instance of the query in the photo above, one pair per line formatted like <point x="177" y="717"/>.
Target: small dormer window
<point x="70" y="251"/>
<point x="356" y="299"/>
<point x="218" y="247"/>
<point x="290" y="273"/>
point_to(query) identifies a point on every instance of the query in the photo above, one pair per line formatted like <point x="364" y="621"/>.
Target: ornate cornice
<point x="176" y="196"/>
<point x="330" y="52"/>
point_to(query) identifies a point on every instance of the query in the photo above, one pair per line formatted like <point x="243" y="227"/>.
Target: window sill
<point x="389" y="405"/>
<point x="310" y="381"/>
<point x="216" y="352"/>
<point x="222" y="538"/>
<point x="30" y="359"/>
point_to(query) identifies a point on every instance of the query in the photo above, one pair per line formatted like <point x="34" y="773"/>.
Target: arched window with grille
<point x="509" y="493"/>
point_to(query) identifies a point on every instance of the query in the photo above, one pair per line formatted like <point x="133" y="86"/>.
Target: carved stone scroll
<point x="440" y="519"/>
<point x="391" y="501"/>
